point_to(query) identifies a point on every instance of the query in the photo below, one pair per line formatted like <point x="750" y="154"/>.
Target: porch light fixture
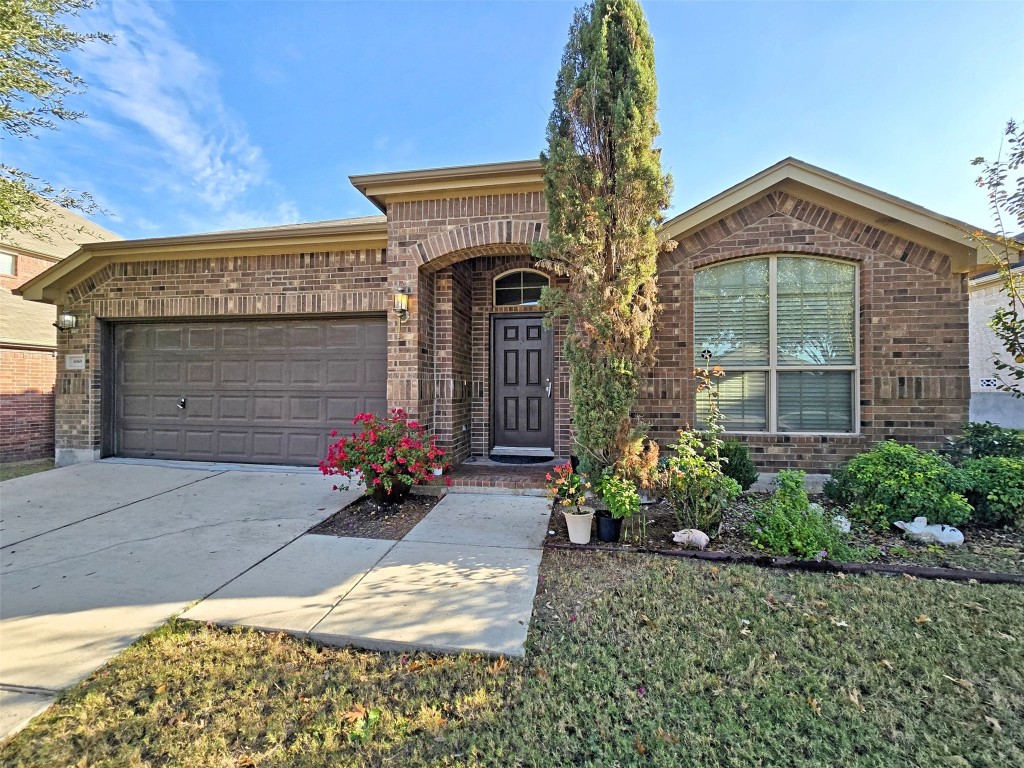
<point x="402" y="304"/>
<point x="66" y="322"/>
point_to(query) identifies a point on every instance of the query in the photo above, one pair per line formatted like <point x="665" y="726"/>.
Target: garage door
<point x="260" y="391"/>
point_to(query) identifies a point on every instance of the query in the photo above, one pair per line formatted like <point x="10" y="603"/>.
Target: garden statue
<point x="919" y="530"/>
<point x="691" y="538"/>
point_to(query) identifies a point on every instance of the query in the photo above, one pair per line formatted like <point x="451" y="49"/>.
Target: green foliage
<point x="605" y="194"/>
<point x="1008" y="320"/>
<point x="736" y="463"/>
<point x="694" y="483"/>
<point x="995" y="488"/>
<point x="619" y="494"/>
<point x="985" y="439"/>
<point x="34" y="83"/>
<point x="898" y="482"/>
<point x="787" y="524"/>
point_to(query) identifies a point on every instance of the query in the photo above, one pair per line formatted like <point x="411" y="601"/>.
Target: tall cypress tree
<point x="605" y="193"/>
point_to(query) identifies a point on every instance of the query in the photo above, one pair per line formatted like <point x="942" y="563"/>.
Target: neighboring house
<point x="987" y="402"/>
<point x="839" y="312"/>
<point x="28" y="339"/>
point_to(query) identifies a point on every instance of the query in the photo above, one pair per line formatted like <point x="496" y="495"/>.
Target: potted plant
<point x="569" y="491"/>
<point x="622" y="499"/>
<point x="389" y="456"/>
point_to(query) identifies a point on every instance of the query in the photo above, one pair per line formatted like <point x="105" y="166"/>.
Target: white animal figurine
<point x="842" y="522"/>
<point x="691" y="538"/>
<point x="919" y="530"/>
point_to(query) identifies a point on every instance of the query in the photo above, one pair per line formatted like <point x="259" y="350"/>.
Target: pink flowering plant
<point x="389" y="455"/>
<point x="567" y="488"/>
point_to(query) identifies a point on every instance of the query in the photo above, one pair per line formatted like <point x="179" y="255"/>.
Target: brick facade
<point x="26" y="403"/>
<point x="280" y="285"/>
<point x="26" y="267"/>
<point x="913" y="381"/>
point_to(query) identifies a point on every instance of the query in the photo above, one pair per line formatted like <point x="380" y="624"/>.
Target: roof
<point x="363" y="232"/>
<point x="838" y="193"/>
<point x="26" y="323"/>
<point x="64" y="233"/>
<point x="495" y="178"/>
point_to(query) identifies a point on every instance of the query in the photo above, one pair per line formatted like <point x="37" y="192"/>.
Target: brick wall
<point x="26" y="267"/>
<point x="913" y="330"/>
<point x="26" y="404"/>
<point x="285" y="285"/>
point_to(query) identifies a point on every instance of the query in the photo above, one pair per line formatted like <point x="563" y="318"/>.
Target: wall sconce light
<point x="402" y="304"/>
<point x="66" y="322"/>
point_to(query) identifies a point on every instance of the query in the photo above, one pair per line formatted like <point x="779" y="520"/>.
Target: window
<point x="520" y="288"/>
<point x="784" y="328"/>
<point x="8" y="263"/>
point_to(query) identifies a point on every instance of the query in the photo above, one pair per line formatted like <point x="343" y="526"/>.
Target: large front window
<point x="784" y="328"/>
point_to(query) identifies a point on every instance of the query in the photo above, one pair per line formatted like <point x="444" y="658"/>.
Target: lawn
<point x="632" y="660"/>
<point x="12" y="469"/>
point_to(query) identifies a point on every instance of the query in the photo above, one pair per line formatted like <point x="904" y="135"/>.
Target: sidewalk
<point x="462" y="580"/>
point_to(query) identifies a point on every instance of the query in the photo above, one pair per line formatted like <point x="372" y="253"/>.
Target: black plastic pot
<point x="574" y="462"/>
<point x="608" y="528"/>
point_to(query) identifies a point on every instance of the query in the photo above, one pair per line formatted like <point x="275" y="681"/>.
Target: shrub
<point x="736" y="463"/>
<point x="898" y="482"/>
<point x="619" y="494"/>
<point x="979" y="440"/>
<point x="787" y="524"/>
<point x="995" y="488"/>
<point x="694" y="483"/>
<point x="389" y="456"/>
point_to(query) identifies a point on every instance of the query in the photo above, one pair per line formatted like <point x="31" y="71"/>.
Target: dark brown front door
<point x="523" y="372"/>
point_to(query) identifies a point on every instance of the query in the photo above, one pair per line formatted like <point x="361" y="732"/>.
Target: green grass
<point x="632" y="660"/>
<point x="12" y="469"/>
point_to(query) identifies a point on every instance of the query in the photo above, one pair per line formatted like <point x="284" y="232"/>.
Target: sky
<point x="221" y="115"/>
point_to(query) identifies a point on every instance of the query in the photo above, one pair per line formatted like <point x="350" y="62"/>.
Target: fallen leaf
<point x="922" y="619"/>
<point x="667" y="737"/>
<point x="354" y="714"/>
<point x="996" y="727"/>
<point x="814" y="705"/>
<point x="854" y="696"/>
<point x="840" y="623"/>
<point x="540" y="673"/>
<point x="647" y="620"/>
<point x="160" y="689"/>
<point x="497" y="666"/>
<point x="965" y="684"/>
<point x="640" y="748"/>
<point x="887" y="664"/>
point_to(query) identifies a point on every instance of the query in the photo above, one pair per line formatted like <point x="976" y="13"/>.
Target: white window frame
<point x="506" y="273"/>
<point x="773" y="368"/>
<point x="14" y="264"/>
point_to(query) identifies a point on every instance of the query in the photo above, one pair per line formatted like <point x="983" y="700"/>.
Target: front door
<point x="523" y="375"/>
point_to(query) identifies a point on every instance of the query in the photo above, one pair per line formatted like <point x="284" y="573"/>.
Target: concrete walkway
<point x="94" y="555"/>
<point x="462" y="580"/>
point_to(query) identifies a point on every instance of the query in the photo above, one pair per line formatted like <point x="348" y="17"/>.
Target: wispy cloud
<point x="162" y="96"/>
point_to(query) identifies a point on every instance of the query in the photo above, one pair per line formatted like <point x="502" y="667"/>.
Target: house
<point x="838" y="311"/>
<point x="28" y="339"/>
<point x="987" y="402"/>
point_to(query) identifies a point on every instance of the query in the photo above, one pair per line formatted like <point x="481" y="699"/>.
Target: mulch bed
<point x="999" y="551"/>
<point x="369" y="519"/>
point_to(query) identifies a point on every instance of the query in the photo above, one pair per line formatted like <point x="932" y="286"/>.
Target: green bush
<point x="995" y="488"/>
<point x="619" y="494"/>
<point x="737" y="464"/>
<point x="898" y="482"/>
<point x="695" y="486"/>
<point x="787" y="524"/>
<point x="979" y="440"/>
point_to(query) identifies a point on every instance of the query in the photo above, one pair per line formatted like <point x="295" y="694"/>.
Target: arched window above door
<point x="519" y="288"/>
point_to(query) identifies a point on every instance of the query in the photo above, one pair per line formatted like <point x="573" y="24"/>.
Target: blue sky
<point x="218" y="115"/>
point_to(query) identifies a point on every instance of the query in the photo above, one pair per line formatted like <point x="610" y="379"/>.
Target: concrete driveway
<point x="95" y="555"/>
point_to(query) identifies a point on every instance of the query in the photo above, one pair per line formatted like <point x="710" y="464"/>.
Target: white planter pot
<point x="579" y="525"/>
<point x="438" y="471"/>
